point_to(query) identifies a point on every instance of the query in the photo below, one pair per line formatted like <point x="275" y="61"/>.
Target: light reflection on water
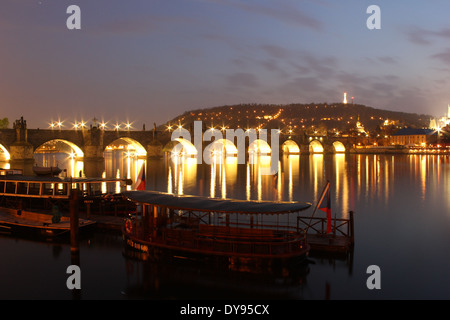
<point x="401" y="205"/>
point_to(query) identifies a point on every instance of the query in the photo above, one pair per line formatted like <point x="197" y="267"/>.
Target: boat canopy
<point x="197" y="203"/>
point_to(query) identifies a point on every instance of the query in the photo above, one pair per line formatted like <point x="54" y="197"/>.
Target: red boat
<point x="236" y="233"/>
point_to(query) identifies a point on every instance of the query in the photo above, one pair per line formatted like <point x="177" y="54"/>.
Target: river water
<point x="401" y="207"/>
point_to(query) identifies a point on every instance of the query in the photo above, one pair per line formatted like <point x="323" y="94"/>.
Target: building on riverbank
<point x="414" y="137"/>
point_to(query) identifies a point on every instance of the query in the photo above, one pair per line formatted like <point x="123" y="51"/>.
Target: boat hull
<point x="253" y="263"/>
<point x="37" y="224"/>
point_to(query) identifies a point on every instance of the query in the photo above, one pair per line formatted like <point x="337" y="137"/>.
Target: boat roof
<point x="49" y="179"/>
<point x="198" y="203"/>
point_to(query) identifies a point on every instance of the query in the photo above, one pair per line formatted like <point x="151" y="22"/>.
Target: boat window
<point x="2" y="186"/>
<point x="34" y="189"/>
<point x="61" y="189"/>
<point x="22" y="187"/>
<point x="10" y="187"/>
<point x="95" y="189"/>
<point x="47" y="189"/>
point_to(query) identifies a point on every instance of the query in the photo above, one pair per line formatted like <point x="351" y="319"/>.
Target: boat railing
<point x="236" y="242"/>
<point x="226" y="239"/>
<point x="317" y="225"/>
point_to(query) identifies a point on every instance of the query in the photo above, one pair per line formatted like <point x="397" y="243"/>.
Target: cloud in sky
<point x="157" y="59"/>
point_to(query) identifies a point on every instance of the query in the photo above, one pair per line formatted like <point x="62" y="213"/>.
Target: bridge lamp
<point x="128" y="125"/>
<point x="52" y="125"/>
<point x="75" y="126"/>
<point x="82" y="124"/>
<point x="103" y="126"/>
<point x="117" y="126"/>
<point x="59" y="124"/>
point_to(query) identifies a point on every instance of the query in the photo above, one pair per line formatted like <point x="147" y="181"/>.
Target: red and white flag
<point x="324" y="204"/>
<point x="140" y="180"/>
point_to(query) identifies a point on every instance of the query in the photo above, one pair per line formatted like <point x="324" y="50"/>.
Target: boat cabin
<point x="36" y="192"/>
<point x="55" y="187"/>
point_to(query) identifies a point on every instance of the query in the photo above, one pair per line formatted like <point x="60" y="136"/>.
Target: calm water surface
<point x="402" y="218"/>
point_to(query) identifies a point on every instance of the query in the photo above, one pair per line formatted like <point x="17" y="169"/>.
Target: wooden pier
<point x="339" y="241"/>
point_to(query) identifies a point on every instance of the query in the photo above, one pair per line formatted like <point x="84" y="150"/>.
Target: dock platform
<point x="339" y="241"/>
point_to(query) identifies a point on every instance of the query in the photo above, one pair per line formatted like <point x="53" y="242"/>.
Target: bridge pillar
<point x="154" y="149"/>
<point x="304" y="148"/>
<point x="328" y="148"/>
<point x="94" y="162"/>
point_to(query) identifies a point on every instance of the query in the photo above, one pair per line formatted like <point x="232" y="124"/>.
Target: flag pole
<point x="327" y="185"/>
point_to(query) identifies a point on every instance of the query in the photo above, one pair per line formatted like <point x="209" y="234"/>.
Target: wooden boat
<point x="42" y="224"/>
<point x="38" y="193"/>
<point x="236" y="233"/>
<point x="46" y="171"/>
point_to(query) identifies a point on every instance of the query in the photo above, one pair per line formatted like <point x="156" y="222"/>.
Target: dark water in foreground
<point x="402" y="220"/>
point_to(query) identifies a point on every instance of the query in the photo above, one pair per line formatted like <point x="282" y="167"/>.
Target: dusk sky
<point x="147" y="61"/>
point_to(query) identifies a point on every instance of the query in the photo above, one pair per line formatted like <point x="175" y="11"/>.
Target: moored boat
<point x="35" y="223"/>
<point x="46" y="171"/>
<point x="28" y="203"/>
<point x="236" y="233"/>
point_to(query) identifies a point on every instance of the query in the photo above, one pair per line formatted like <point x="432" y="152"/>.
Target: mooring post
<point x="74" y="246"/>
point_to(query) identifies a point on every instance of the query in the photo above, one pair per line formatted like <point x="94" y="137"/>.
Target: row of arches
<point x="133" y="148"/>
<point x="130" y="146"/>
<point x="226" y="147"/>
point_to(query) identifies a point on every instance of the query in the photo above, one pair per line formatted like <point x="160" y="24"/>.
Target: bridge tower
<point x="21" y="150"/>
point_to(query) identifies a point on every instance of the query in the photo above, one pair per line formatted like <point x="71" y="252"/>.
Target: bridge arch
<point x="339" y="147"/>
<point x="133" y="148"/>
<point x="181" y="146"/>
<point x="222" y="147"/>
<point x="50" y="145"/>
<point x="290" y="147"/>
<point x="315" y="146"/>
<point x="4" y="153"/>
<point x="259" y="146"/>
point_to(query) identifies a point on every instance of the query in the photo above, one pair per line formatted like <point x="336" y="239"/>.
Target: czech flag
<point x="324" y="204"/>
<point x="140" y="181"/>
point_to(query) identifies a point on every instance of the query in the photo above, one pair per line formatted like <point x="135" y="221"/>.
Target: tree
<point x="4" y="123"/>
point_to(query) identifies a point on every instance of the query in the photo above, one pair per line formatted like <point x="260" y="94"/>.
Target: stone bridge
<point x="20" y="143"/>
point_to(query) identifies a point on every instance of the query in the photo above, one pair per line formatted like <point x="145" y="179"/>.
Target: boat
<point x="34" y="223"/>
<point x="46" y="171"/>
<point x="240" y="235"/>
<point x="29" y="202"/>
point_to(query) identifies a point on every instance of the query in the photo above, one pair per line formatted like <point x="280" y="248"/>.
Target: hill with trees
<point x="317" y="117"/>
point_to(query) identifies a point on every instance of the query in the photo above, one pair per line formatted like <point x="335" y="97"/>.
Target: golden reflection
<point x="248" y="182"/>
<point x="316" y="169"/>
<point x="169" y="180"/>
<point x="423" y="174"/>
<point x="292" y="162"/>
<point x="212" y="185"/>
<point x="224" y="183"/>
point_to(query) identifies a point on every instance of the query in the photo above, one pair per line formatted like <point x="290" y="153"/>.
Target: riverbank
<point x="398" y="150"/>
